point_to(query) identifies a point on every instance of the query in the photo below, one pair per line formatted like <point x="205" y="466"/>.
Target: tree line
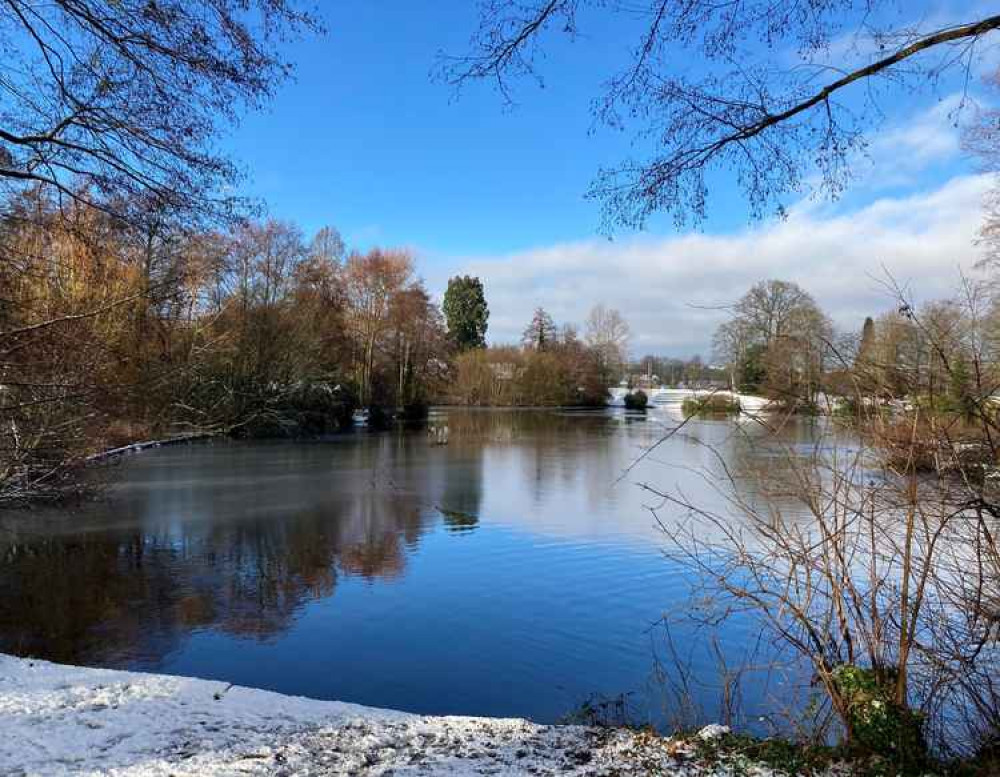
<point x="118" y="330"/>
<point x="552" y="365"/>
<point x="778" y="342"/>
<point x="873" y="559"/>
<point x="114" y="333"/>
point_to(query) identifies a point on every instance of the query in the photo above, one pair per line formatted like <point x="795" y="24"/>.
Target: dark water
<point x="507" y="573"/>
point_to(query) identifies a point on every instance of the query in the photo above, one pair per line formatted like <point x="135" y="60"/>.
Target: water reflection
<point x="231" y="537"/>
<point x="506" y="573"/>
<point x="105" y="597"/>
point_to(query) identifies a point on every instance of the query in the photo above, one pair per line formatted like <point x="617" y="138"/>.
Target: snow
<point x="58" y="720"/>
<point x="712" y="732"/>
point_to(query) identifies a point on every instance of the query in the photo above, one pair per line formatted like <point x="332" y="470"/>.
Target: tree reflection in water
<point x="242" y="558"/>
<point x="332" y="569"/>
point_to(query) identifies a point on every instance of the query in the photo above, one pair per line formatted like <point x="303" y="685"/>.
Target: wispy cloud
<point x="899" y="154"/>
<point x="881" y="34"/>
<point x="673" y="290"/>
<point x="906" y="152"/>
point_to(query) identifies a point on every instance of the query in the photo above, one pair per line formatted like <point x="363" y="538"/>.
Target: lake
<point x="512" y="572"/>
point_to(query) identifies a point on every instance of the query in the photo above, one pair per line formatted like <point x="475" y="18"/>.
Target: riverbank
<point x="58" y="720"/>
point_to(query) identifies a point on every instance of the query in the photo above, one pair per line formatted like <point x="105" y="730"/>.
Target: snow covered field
<point x="58" y="720"/>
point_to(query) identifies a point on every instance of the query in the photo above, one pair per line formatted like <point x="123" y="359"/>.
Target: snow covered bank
<point x="58" y="720"/>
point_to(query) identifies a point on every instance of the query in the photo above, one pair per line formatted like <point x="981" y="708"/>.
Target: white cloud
<point x="672" y="289"/>
<point x="907" y="148"/>
<point x="881" y="34"/>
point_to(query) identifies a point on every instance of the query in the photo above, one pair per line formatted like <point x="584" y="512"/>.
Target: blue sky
<point x="366" y="140"/>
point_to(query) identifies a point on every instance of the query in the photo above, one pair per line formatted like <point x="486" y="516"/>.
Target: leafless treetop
<point x="121" y="100"/>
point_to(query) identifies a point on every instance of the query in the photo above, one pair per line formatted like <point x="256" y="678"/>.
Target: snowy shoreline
<point x="58" y="720"/>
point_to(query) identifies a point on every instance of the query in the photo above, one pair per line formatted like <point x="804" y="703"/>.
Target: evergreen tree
<point x="961" y="399"/>
<point x="866" y="349"/>
<point x="866" y="371"/>
<point x="752" y="369"/>
<point x="541" y="333"/>
<point x="466" y="312"/>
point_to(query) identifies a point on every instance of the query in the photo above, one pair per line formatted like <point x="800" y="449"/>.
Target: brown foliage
<point x="112" y="334"/>
<point x="562" y="374"/>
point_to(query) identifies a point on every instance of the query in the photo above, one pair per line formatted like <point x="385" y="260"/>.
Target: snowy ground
<point x="70" y="720"/>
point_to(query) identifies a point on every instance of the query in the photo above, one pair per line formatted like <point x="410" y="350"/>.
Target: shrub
<point x="713" y="404"/>
<point x="877" y="725"/>
<point x="637" y="400"/>
<point x="487" y="376"/>
<point x="850" y="408"/>
<point x="379" y="418"/>
<point x="305" y="409"/>
<point x="417" y="410"/>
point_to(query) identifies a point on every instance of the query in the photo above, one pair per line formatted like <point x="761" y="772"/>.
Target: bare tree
<point x="770" y="99"/>
<point x="109" y="121"/>
<point x="982" y="137"/>
<point x="873" y="576"/>
<point x="372" y="281"/>
<point x="118" y="103"/>
<point x="264" y="259"/>
<point x="779" y="334"/>
<point x="328" y="246"/>
<point x="607" y="332"/>
<point x="418" y="341"/>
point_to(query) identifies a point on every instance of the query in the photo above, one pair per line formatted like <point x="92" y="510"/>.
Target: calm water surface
<point x="507" y="573"/>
